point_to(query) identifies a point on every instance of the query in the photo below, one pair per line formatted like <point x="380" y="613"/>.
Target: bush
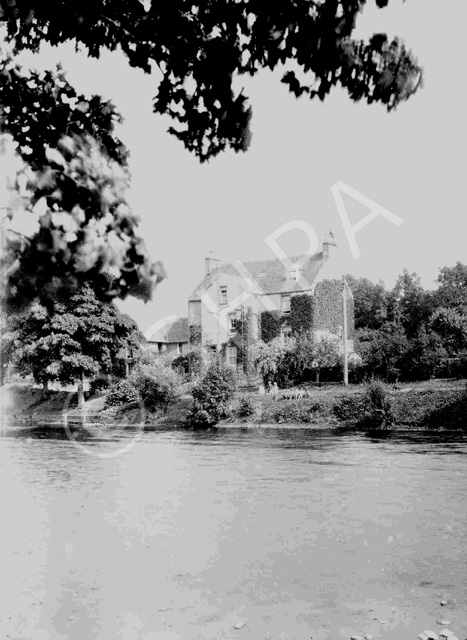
<point x="121" y="393"/>
<point x="99" y="385"/>
<point x="212" y="396"/>
<point x="191" y="363"/>
<point x="157" y="384"/>
<point x="292" y="412"/>
<point x="378" y="404"/>
<point x="350" y="408"/>
<point x="247" y="407"/>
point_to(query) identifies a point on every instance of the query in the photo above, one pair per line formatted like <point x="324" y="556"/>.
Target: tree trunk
<point x="45" y="389"/>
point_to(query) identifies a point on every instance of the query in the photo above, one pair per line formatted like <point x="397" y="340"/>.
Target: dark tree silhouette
<point x="75" y="167"/>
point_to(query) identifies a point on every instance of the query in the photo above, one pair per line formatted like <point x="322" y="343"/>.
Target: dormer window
<point x="285" y="304"/>
<point x="294" y="273"/>
<point x="222" y="295"/>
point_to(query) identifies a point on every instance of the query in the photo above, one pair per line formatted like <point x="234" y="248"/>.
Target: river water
<point x="252" y="534"/>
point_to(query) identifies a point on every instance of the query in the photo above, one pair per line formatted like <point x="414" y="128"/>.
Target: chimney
<point x="210" y="264"/>
<point x="328" y="241"/>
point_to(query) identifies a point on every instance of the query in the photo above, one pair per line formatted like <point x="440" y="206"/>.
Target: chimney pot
<point x="210" y="264"/>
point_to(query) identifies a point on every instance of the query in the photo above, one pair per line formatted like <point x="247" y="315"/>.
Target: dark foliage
<point x="74" y="170"/>
<point x="301" y="313"/>
<point x="211" y="397"/>
<point x="209" y="43"/>
<point x="121" y="393"/>
<point x="271" y="323"/>
<point x="81" y="337"/>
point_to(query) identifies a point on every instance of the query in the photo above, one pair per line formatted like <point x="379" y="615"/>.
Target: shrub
<point x="191" y="363"/>
<point x="378" y="404"/>
<point x="292" y="412"/>
<point x="122" y="392"/>
<point x="212" y="396"/>
<point x="350" y="408"/>
<point x="99" y="385"/>
<point x="157" y="384"/>
<point x="247" y="407"/>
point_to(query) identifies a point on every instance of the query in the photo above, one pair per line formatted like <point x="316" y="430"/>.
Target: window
<point x="233" y="323"/>
<point x="286" y="334"/>
<point x="285" y="304"/>
<point x="232" y="356"/>
<point x="180" y="348"/>
<point x="212" y="352"/>
<point x="222" y="295"/>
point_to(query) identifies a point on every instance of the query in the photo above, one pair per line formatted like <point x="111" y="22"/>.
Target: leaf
<point x="55" y="157"/>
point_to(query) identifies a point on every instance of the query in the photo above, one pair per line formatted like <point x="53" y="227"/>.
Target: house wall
<point x="214" y="315"/>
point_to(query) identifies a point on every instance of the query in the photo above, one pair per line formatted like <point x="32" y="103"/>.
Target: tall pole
<point x="218" y="355"/>
<point x="344" y="332"/>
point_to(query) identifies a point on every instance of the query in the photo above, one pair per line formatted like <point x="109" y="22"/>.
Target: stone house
<point x="169" y="335"/>
<point x="219" y="303"/>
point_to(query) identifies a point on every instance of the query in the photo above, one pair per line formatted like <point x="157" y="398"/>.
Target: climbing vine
<point x="301" y="313"/>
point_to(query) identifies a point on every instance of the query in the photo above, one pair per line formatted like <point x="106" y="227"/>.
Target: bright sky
<point x="411" y="162"/>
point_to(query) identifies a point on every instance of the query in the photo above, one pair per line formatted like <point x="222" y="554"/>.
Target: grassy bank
<point x="435" y="404"/>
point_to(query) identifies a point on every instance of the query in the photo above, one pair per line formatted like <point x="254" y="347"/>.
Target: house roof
<point x="169" y="330"/>
<point x="270" y="275"/>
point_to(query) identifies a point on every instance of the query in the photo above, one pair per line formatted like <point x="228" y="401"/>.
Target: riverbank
<point x="434" y="404"/>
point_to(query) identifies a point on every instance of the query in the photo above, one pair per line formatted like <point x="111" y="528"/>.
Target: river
<point x="251" y="534"/>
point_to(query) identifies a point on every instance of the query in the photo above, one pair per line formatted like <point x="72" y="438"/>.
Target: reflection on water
<point x="296" y="533"/>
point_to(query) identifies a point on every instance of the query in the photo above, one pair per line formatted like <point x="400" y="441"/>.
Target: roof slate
<point x="270" y="275"/>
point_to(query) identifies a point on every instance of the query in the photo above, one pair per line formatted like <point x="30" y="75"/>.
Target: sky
<point x="411" y="162"/>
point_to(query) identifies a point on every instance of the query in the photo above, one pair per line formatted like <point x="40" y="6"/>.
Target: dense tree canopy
<point x="410" y="333"/>
<point x="81" y="338"/>
<point x="201" y="46"/>
<point x="74" y="175"/>
<point x="70" y="179"/>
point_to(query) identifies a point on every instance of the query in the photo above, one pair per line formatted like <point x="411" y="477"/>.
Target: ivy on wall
<point x="244" y="339"/>
<point x="271" y="323"/>
<point x="195" y="334"/>
<point x="328" y="308"/>
<point x="301" y="313"/>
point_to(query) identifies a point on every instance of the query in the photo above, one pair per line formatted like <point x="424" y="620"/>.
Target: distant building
<point x="170" y="335"/>
<point x="218" y="304"/>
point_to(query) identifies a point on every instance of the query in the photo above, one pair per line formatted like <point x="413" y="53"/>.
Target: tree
<point x="425" y="355"/>
<point x="370" y="302"/>
<point x="200" y="47"/>
<point x="74" y="166"/>
<point x="384" y="351"/>
<point x="409" y="303"/>
<point x="452" y="287"/>
<point x="68" y="174"/>
<point x="326" y="353"/>
<point x="451" y="325"/>
<point x="267" y="357"/>
<point x="79" y="339"/>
